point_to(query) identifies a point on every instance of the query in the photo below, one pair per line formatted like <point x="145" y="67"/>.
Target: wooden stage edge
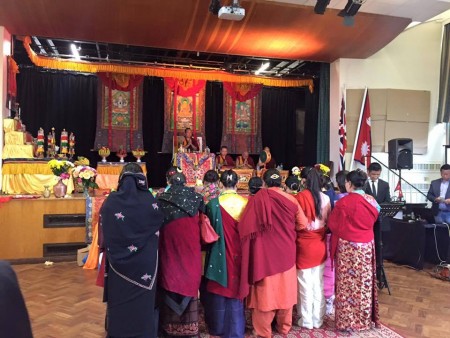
<point x="42" y="229"/>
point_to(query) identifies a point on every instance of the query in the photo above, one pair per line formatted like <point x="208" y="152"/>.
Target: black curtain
<point x="67" y="100"/>
<point x="61" y="100"/>
<point x="279" y="106"/>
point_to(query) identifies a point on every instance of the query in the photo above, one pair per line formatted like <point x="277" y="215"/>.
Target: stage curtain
<point x="323" y="125"/>
<point x="242" y="117"/>
<point x="60" y="100"/>
<point x="214" y="114"/>
<point x="184" y="108"/>
<point x="278" y="117"/>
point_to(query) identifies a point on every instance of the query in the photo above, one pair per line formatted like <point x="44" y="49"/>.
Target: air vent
<point x="427" y="166"/>
<point x="65" y="221"/>
<point x="62" y="249"/>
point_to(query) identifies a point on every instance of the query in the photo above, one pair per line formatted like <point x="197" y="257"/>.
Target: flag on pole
<point x="363" y="145"/>
<point x="398" y="188"/>
<point x="342" y="135"/>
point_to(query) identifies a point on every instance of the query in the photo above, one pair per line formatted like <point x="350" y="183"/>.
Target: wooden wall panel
<point x="21" y="226"/>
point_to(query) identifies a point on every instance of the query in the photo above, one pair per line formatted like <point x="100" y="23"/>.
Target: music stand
<point x="387" y="210"/>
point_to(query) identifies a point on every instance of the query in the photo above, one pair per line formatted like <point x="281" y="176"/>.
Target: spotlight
<point x="215" y="6"/>
<point x="351" y="8"/>
<point x="321" y="6"/>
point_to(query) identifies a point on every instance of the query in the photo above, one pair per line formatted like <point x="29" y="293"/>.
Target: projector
<point x="231" y="13"/>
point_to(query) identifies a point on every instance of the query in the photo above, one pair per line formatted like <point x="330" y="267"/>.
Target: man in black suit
<point x="375" y="186"/>
<point x="439" y="195"/>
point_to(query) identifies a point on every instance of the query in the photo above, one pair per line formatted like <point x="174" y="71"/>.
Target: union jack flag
<point x="342" y="135"/>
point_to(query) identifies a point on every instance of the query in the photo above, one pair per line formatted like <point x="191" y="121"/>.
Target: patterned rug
<point x="326" y="331"/>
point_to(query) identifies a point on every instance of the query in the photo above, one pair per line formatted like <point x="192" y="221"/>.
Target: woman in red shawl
<point x="352" y="244"/>
<point x="311" y="252"/>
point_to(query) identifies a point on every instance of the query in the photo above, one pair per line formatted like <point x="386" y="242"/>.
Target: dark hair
<point x="375" y="166"/>
<point x="357" y="178"/>
<point x="222" y="147"/>
<point x="305" y="171"/>
<point x="132" y="167"/>
<point x="340" y="180"/>
<point x="211" y="176"/>
<point x="229" y="178"/>
<point x="254" y="184"/>
<point x="313" y="184"/>
<point x="292" y="183"/>
<point x="272" y="178"/>
<point x="186" y="130"/>
<point x="177" y="179"/>
<point x="445" y="167"/>
<point x="171" y="171"/>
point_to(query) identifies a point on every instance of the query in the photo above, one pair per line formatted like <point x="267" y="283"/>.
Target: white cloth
<point x="311" y="304"/>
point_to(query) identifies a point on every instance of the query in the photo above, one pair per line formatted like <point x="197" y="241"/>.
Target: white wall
<point x="410" y="61"/>
<point x="5" y="44"/>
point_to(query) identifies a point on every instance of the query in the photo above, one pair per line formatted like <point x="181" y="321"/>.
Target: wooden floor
<point x="63" y="302"/>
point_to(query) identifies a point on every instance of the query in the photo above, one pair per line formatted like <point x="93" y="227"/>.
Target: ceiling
<point x="287" y="32"/>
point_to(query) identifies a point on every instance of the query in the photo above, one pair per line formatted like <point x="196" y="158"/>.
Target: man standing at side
<point x="375" y="186"/>
<point x="439" y="195"/>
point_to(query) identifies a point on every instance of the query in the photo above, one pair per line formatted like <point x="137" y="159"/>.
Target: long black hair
<point x="313" y="184"/>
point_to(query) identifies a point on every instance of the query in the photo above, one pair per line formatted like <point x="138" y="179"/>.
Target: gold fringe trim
<point x="26" y="168"/>
<point x="208" y="75"/>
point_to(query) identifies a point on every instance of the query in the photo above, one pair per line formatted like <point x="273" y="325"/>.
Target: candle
<point x="9" y="104"/>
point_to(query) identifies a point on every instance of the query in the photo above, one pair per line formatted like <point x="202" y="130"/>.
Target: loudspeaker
<point x="400" y="153"/>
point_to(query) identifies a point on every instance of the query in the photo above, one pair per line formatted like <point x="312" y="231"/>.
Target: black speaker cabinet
<point x="400" y="153"/>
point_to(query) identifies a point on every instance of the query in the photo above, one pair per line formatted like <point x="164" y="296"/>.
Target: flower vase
<point x="103" y="159"/>
<point x="122" y="159"/>
<point x="60" y="189"/>
<point x="86" y="192"/>
<point x="138" y="159"/>
<point x="46" y="193"/>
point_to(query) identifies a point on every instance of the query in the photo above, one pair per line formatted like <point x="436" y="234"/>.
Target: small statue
<point x="40" y="143"/>
<point x="71" y="145"/>
<point x="64" y="145"/>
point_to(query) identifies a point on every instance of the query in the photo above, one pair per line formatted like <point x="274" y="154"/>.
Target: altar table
<point x="108" y="173"/>
<point x="195" y="165"/>
<point x="29" y="177"/>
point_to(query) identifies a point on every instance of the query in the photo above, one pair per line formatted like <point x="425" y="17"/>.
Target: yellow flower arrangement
<point x="323" y="169"/>
<point x="60" y="168"/>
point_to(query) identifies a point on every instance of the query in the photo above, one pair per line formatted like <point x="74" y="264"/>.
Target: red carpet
<point x="327" y="331"/>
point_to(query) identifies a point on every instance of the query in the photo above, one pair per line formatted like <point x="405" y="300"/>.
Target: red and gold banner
<point x="119" y="112"/>
<point x="184" y="107"/>
<point x="242" y="117"/>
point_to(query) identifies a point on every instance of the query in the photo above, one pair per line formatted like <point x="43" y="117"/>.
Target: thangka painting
<point x="184" y="107"/>
<point x="119" y="112"/>
<point x="242" y="117"/>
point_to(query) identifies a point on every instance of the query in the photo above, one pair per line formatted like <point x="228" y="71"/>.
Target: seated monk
<point x="223" y="159"/>
<point x="244" y="161"/>
<point x="190" y="142"/>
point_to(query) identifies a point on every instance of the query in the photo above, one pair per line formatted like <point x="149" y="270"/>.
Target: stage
<point x="36" y="228"/>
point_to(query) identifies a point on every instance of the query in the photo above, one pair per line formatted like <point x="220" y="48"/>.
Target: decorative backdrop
<point x="187" y="112"/>
<point x="119" y="112"/>
<point x="242" y="117"/>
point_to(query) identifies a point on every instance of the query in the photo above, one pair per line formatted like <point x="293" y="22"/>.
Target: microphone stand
<point x="399" y="176"/>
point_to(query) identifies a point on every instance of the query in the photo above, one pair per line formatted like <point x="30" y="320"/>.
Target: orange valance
<point x="208" y="75"/>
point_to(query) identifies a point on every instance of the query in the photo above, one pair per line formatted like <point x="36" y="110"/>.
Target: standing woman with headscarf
<point x="130" y="221"/>
<point x="352" y="244"/>
<point x="224" y="311"/>
<point x="181" y="260"/>
<point x="311" y="252"/>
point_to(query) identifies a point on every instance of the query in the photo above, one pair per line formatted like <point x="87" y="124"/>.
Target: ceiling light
<point x="351" y="8"/>
<point x="263" y="67"/>
<point x="321" y="6"/>
<point x="75" y="52"/>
